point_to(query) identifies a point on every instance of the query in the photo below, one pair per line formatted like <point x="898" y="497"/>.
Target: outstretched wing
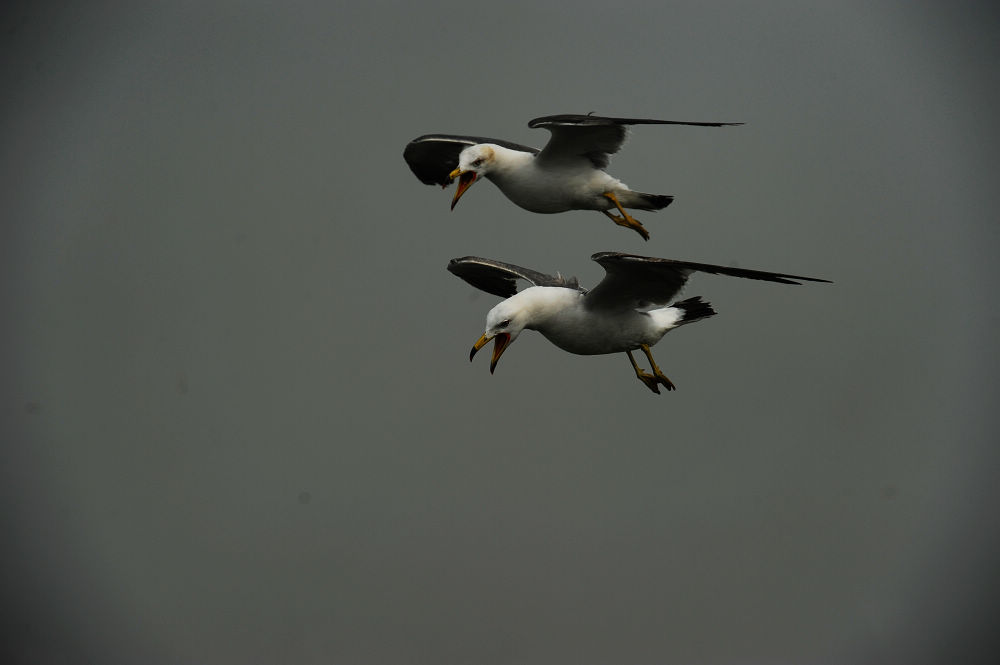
<point x="433" y="156"/>
<point x="642" y="280"/>
<point x="500" y="278"/>
<point x="594" y="137"/>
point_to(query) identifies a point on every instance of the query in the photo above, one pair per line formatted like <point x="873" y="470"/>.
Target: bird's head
<point x="473" y="163"/>
<point x="503" y="324"/>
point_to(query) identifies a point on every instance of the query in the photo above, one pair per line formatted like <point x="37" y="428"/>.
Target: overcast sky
<point x="239" y="421"/>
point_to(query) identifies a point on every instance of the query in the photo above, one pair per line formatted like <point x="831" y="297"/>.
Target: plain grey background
<point x="239" y="422"/>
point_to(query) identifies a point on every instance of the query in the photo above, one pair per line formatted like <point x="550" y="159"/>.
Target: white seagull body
<point x="567" y="174"/>
<point x="629" y="310"/>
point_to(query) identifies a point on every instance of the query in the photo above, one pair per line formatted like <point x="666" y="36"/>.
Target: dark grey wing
<point x="433" y="156"/>
<point x="500" y="278"/>
<point x="594" y="137"/>
<point x="642" y="280"/>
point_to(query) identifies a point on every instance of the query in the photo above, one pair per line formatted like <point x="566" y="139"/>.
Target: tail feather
<point x="651" y="201"/>
<point x="693" y="309"/>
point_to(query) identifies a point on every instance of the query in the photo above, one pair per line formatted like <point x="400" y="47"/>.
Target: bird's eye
<point x="504" y="323"/>
<point x="477" y="162"/>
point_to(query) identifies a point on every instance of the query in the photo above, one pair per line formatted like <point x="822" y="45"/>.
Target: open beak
<point x="465" y="180"/>
<point x="500" y="343"/>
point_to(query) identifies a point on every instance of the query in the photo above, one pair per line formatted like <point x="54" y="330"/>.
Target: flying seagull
<point x="629" y="310"/>
<point x="567" y="174"/>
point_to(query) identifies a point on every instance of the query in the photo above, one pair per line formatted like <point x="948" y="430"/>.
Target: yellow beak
<point x="500" y="344"/>
<point x="465" y="180"/>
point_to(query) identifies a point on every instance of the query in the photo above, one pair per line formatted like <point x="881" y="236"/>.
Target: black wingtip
<point x="455" y="265"/>
<point x="804" y="279"/>
<point x="591" y="119"/>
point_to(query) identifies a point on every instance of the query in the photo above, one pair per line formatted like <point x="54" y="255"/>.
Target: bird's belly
<point x="545" y="193"/>
<point x="539" y="199"/>
<point x="590" y="348"/>
<point x="595" y="338"/>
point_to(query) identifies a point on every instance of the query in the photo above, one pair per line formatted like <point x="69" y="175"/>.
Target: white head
<point x="473" y="163"/>
<point x="503" y="324"/>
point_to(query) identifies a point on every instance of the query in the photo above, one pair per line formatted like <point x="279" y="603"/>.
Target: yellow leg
<point x="649" y="380"/>
<point x="660" y="376"/>
<point x="626" y="219"/>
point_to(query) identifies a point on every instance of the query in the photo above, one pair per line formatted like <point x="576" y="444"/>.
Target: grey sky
<point x="239" y="421"/>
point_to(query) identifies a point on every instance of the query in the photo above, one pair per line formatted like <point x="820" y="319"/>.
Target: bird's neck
<point x="545" y="303"/>
<point x="506" y="161"/>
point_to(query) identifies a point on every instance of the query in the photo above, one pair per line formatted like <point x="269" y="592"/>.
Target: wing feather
<point x="500" y="278"/>
<point x="594" y="137"/>
<point x="633" y="280"/>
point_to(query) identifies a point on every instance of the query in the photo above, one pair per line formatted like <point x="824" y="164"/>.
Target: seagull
<point x="629" y="310"/>
<point x="567" y="174"/>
